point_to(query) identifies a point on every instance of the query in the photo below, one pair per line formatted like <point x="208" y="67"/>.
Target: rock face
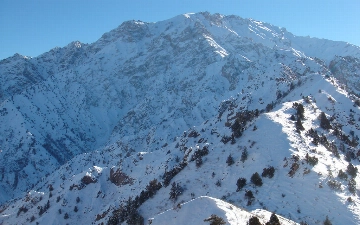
<point x="133" y="92"/>
<point x="119" y="178"/>
<point x="87" y="180"/>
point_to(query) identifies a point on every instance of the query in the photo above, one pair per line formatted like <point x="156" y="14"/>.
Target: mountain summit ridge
<point x="125" y="100"/>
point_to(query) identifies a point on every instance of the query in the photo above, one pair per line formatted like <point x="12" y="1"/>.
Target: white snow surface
<point x="201" y="208"/>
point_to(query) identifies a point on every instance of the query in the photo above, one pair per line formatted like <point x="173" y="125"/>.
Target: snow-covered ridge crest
<point x="198" y="210"/>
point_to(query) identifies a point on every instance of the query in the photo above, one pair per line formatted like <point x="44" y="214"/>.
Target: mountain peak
<point x="76" y="44"/>
<point x="18" y="56"/>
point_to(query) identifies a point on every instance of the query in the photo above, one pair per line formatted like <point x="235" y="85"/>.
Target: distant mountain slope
<point x="84" y="116"/>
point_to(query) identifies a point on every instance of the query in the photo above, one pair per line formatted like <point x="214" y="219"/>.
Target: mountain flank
<point x="199" y="119"/>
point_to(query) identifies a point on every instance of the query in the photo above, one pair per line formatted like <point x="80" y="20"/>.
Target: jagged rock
<point x="88" y="180"/>
<point x="119" y="178"/>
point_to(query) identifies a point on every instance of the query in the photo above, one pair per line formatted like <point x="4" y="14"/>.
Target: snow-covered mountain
<point x="153" y="115"/>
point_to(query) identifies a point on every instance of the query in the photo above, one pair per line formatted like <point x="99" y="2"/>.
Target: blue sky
<point x="34" y="27"/>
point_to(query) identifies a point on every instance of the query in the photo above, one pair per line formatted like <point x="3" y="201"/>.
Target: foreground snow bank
<point x="201" y="208"/>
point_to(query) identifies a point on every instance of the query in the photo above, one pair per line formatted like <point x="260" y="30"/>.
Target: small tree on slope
<point x="327" y="221"/>
<point x="254" y="221"/>
<point x="298" y="125"/>
<point x="215" y="220"/>
<point x="175" y="191"/>
<point x="324" y="122"/>
<point x="230" y="160"/>
<point x="256" y="179"/>
<point x="274" y="220"/>
<point x="241" y="182"/>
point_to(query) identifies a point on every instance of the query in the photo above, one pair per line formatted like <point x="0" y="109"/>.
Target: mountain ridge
<point x="137" y="87"/>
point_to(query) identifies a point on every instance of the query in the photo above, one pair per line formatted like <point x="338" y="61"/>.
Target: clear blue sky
<point x="32" y="27"/>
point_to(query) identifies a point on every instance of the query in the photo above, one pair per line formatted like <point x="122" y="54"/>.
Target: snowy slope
<point x="305" y="196"/>
<point x="123" y="102"/>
